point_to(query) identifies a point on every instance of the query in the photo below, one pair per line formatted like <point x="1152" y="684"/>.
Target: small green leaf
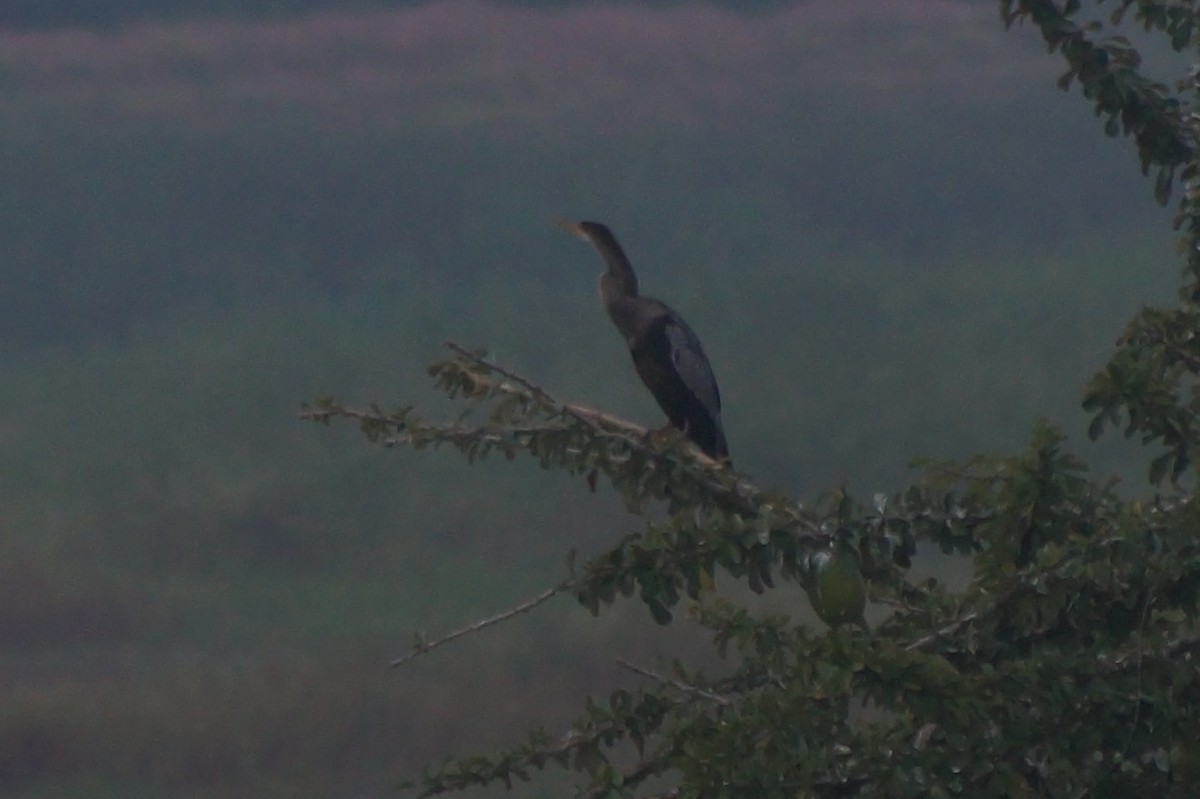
<point x="659" y="611"/>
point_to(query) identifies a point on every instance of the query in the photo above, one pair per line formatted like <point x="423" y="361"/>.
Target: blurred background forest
<point x="895" y="235"/>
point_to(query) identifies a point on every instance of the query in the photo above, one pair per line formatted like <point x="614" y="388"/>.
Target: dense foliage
<point x="1066" y="667"/>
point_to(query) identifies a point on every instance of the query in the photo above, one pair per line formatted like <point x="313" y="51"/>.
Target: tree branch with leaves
<point x="1068" y="666"/>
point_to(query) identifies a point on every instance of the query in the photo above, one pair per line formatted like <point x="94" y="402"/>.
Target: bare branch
<point x="524" y="607"/>
<point x="948" y="629"/>
<point x="682" y="686"/>
<point x="524" y="382"/>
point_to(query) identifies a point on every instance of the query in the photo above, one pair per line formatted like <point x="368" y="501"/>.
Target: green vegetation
<point x="199" y="596"/>
<point x="1064" y="666"/>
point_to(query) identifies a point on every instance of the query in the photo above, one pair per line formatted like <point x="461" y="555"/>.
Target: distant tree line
<point x="50" y="14"/>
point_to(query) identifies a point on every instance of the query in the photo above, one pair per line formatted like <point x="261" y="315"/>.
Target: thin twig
<point x="524" y="382"/>
<point x="682" y="686"/>
<point x="1135" y="659"/>
<point x="941" y="631"/>
<point x="474" y="627"/>
<point x="644" y="770"/>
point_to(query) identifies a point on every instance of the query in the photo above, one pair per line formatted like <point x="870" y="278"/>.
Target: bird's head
<point x="574" y="228"/>
<point x="593" y="233"/>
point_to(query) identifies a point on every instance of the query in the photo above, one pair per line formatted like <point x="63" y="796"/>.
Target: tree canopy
<point x="1067" y="666"/>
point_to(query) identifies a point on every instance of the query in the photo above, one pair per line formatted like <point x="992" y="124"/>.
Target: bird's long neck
<point x="620" y="301"/>
<point x="618" y="286"/>
<point x="619" y="280"/>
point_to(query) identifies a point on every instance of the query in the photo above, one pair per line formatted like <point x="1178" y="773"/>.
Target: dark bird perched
<point x="667" y="354"/>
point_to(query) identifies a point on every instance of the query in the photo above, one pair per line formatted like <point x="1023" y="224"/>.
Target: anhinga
<point x="666" y="353"/>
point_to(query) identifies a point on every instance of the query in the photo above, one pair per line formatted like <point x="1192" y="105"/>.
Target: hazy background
<point x="894" y="235"/>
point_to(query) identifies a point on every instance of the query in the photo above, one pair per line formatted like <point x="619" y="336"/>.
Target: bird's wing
<point x="690" y="362"/>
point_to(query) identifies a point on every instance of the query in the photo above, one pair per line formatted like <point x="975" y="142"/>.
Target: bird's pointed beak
<point x="571" y="227"/>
